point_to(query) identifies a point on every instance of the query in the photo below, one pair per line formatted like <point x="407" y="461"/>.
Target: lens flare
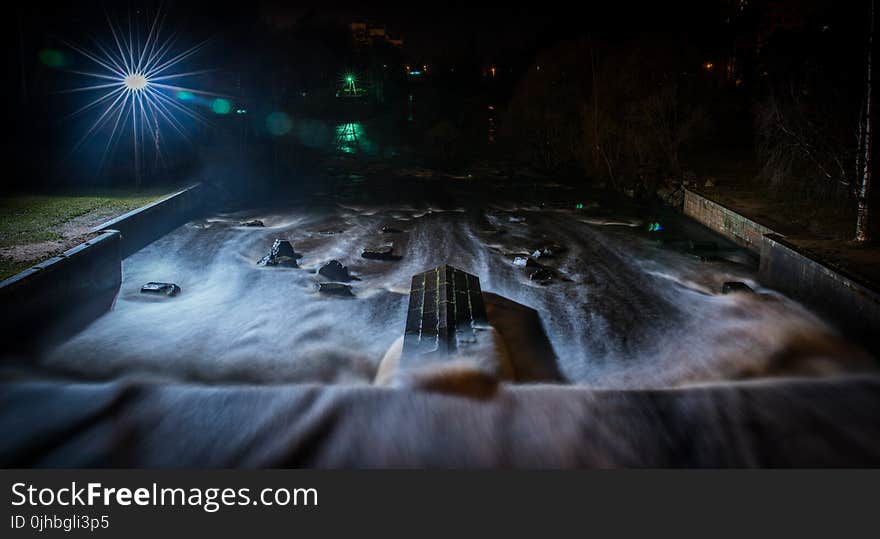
<point x="135" y="82"/>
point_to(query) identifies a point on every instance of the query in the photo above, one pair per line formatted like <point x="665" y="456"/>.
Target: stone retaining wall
<point x="851" y="305"/>
<point x="146" y="224"/>
<point x="721" y="219"/>
<point x="848" y="303"/>
<point x="60" y="296"/>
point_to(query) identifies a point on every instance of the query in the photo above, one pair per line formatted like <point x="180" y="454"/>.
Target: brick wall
<point x="725" y="221"/>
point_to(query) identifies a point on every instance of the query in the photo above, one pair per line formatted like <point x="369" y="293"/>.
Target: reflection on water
<point x="350" y="138"/>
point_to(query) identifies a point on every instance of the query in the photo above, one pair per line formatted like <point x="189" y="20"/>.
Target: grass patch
<point x="27" y="219"/>
<point x="9" y="267"/>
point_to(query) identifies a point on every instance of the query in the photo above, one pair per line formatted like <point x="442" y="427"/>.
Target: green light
<point x="221" y="106"/>
<point x="350" y="138"/>
<point x="52" y="58"/>
<point x="349" y="79"/>
<point x="654" y="227"/>
<point x="241" y="111"/>
<point x="185" y="96"/>
<point x="579" y="206"/>
<point x="415" y="73"/>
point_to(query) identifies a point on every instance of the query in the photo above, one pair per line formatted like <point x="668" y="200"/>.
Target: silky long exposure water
<point x="623" y="310"/>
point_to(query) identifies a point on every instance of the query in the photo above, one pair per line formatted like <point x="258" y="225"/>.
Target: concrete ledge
<point x="725" y="221"/>
<point x="61" y="295"/>
<point x="853" y="306"/>
<point x="847" y="302"/>
<point x="144" y="225"/>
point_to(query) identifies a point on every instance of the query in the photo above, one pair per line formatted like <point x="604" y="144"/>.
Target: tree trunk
<point x="863" y="221"/>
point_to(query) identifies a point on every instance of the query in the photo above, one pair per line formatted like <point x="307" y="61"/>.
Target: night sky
<point x="257" y="40"/>
<point x="430" y="29"/>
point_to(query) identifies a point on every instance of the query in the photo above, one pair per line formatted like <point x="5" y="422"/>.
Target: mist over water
<point x="623" y="311"/>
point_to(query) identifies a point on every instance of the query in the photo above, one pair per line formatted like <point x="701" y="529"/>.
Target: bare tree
<point x="863" y="222"/>
<point x="598" y="146"/>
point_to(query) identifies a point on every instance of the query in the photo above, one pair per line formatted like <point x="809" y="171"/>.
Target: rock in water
<point x="735" y="286"/>
<point x="548" y="251"/>
<point x="391" y="230"/>
<point x="384" y="252"/>
<point x="282" y="254"/>
<point x="536" y="271"/>
<point x="160" y="289"/>
<point x="540" y="274"/>
<point x="335" y="271"/>
<point x="335" y="289"/>
<point x="253" y="223"/>
<point x="703" y="250"/>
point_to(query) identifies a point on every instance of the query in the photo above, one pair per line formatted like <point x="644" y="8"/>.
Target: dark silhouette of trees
<point x="621" y="114"/>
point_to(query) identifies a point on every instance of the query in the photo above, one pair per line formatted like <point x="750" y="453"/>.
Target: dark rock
<point x="705" y="251"/>
<point x="335" y="271"/>
<point x="282" y="254"/>
<point x="735" y="286"/>
<point x="253" y="223"/>
<point x="335" y="289"/>
<point x="540" y="274"/>
<point x="548" y="251"/>
<point x="160" y="289"/>
<point x="391" y="230"/>
<point x="536" y="272"/>
<point x="384" y="252"/>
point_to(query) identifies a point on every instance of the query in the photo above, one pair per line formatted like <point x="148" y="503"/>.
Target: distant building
<point x="369" y="34"/>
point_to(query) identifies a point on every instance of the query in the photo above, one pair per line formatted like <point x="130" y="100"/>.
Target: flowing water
<point x="624" y="310"/>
